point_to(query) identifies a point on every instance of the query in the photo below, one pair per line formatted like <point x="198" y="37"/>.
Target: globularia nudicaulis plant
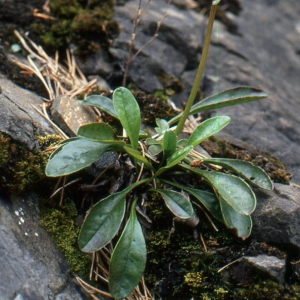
<point x="154" y="158"/>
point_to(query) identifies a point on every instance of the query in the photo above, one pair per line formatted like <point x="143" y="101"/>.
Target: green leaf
<point x="169" y="143"/>
<point x="96" y="132"/>
<point x="229" y="97"/>
<point x="253" y="174"/>
<point x="175" y="158"/>
<point x="154" y="149"/>
<point x="74" y="156"/>
<point x="129" y="113"/>
<point x="179" y="205"/>
<point x="101" y="102"/>
<point x="103" y="221"/>
<point x="138" y="155"/>
<point x="128" y="259"/>
<point x="162" y="126"/>
<point x="207" y="128"/>
<point x="208" y="200"/>
<point x="240" y="224"/>
<point x="232" y="189"/>
<point x="178" y="156"/>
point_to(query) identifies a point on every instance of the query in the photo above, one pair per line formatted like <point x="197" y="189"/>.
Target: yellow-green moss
<point x="21" y="168"/>
<point x="58" y="221"/>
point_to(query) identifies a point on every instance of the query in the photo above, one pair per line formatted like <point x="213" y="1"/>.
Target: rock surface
<point x="269" y="266"/>
<point x="277" y="215"/>
<point x="31" y="266"/>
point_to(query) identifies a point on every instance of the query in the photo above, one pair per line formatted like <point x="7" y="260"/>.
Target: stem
<point x="200" y="70"/>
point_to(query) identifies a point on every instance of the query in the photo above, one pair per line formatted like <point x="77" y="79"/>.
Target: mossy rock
<point x="21" y="168"/>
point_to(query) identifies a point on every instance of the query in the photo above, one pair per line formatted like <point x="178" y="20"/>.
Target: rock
<point x="268" y="266"/>
<point x="276" y="218"/>
<point x="175" y="49"/>
<point x="18" y="118"/>
<point x="70" y="114"/>
<point x="95" y="64"/>
<point x="31" y="265"/>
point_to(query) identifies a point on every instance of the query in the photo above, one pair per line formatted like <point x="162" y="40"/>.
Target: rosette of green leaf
<point x="178" y="204"/>
<point x="138" y="156"/>
<point x="253" y="174"/>
<point x="207" y="128"/>
<point x="174" y="159"/>
<point x="235" y="191"/>
<point x="229" y="97"/>
<point x="239" y="223"/>
<point x="74" y="155"/>
<point x="128" y="111"/>
<point x="128" y="260"/>
<point x="104" y="220"/>
<point x="208" y="200"/>
<point x="102" y="103"/>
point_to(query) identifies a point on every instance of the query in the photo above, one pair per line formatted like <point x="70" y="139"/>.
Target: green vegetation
<point x="86" y="24"/>
<point x="21" y="168"/>
<point x="59" y="222"/>
<point x="160" y="162"/>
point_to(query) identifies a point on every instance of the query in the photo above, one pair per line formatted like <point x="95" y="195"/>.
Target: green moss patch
<point x="59" y="222"/>
<point x="21" y="168"/>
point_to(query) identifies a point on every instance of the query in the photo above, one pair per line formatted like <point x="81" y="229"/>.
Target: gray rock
<point x="277" y="215"/>
<point x="269" y="266"/>
<point x="17" y="116"/>
<point x="175" y="49"/>
<point x="70" y="114"/>
<point x="31" y="266"/>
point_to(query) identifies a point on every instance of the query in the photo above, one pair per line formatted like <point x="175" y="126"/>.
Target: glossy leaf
<point x="138" y="155"/>
<point x="128" y="259"/>
<point x="103" y="221"/>
<point x="96" y="132"/>
<point x="74" y="156"/>
<point x="169" y="143"/>
<point x="208" y="200"/>
<point x="232" y="189"/>
<point x="229" y="97"/>
<point x="129" y="113"/>
<point x="240" y="224"/>
<point x="253" y="174"/>
<point x="101" y="102"/>
<point x="207" y="128"/>
<point x="179" y="205"/>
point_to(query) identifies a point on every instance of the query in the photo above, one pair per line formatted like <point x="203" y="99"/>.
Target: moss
<point x="171" y="84"/>
<point x="154" y="106"/>
<point x="86" y="24"/>
<point x="21" y="168"/>
<point x="58" y="221"/>
<point x="268" y="289"/>
<point x="272" y="165"/>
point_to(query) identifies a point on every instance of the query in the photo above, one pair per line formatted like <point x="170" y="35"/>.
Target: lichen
<point x="21" y="168"/>
<point x="59" y="222"/>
